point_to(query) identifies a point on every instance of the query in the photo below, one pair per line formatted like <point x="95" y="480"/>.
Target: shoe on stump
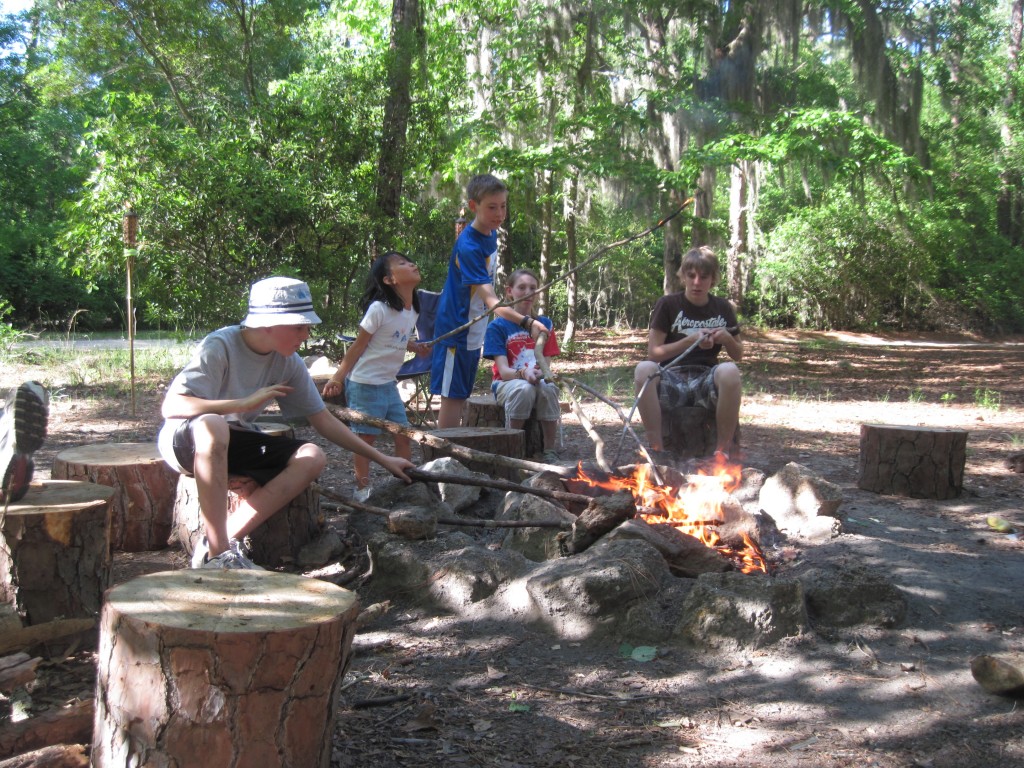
<point x="22" y="432"/>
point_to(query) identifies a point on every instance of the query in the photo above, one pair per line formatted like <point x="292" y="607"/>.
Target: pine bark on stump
<point x="496" y="440"/>
<point x="55" y="556"/>
<point x="919" y="462"/>
<point x="485" y="411"/>
<point x="56" y="756"/>
<point x="142" y="509"/>
<point x="276" y="542"/>
<point x="221" y="667"/>
<point x="691" y="432"/>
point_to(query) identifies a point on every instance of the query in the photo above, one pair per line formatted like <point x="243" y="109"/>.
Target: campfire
<point x="695" y="506"/>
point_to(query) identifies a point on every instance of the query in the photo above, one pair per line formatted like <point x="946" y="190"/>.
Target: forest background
<point x="857" y="165"/>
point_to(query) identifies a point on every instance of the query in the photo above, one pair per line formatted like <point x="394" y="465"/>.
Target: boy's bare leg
<point x="450" y="413"/>
<point x="362" y="464"/>
<point x="211" y="435"/>
<point x="403" y="447"/>
<point x="549" y="430"/>
<point x="303" y="468"/>
<point x="648" y="405"/>
<point x="727" y="414"/>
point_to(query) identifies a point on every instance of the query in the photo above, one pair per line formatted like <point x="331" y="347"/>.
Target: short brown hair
<point x="703" y="260"/>
<point x="482" y="185"/>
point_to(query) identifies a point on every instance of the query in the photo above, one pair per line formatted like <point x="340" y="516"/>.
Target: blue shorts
<point x="453" y="371"/>
<point x="381" y="401"/>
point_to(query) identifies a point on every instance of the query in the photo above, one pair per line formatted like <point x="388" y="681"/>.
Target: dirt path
<point x="506" y="695"/>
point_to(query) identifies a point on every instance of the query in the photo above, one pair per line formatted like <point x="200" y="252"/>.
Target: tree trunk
<point x="918" y="462"/>
<point x="275" y="542"/>
<point x="55" y="559"/>
<point x="493" y="440"/>
<point x="227" y="668"/>
<point x="142" y="510"/>
<point x="405" y="26"/>
<point x="571" y="204"/>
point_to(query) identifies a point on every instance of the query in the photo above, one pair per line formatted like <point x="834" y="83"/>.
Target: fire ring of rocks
<point x="695" y="561"/>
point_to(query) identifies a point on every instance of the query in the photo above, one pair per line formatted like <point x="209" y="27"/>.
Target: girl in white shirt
<point x="368" y="370"/>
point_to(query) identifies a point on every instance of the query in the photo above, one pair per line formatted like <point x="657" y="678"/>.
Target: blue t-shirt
<point x="472" y="263"/>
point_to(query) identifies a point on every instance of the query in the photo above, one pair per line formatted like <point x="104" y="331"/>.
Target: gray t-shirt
<point x="225" y="368"/>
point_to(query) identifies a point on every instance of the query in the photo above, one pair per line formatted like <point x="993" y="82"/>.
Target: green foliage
<point x="844" y="266"/>
<point x="989" y="399"/>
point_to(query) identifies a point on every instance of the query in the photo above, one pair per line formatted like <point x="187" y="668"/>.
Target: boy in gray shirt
<point x="211" y="407"/>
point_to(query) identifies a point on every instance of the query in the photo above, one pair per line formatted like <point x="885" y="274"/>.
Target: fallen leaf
<point x="424" y="719"/>
<point x="494" y="674"/>
<point x="644" y="653"/>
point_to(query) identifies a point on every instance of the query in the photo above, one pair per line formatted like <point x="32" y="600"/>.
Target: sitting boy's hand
<point x="263" y="396"/>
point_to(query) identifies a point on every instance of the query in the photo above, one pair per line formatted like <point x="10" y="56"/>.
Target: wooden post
<point x="485" y="411"/>
<point x="495" y="440"/>
<point x="142" y="509"/>
<point x="55" y="555"/>
<point x="221" y="667"/>
<point x="920" y="462"/>
<point x="275" y="542"/>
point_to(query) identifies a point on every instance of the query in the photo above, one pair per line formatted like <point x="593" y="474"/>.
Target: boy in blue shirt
<point x="469" y="292"/>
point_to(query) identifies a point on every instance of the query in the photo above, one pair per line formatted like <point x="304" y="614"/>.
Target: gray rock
<point x="732" y="611"/>
<point x="795" y="495"/>
<point x="455" y="495"/>
<point x="537" y="544"/>
<point x="413" y="523"/>
<point x="324" y="548"/>
<point x="852" y="595"/>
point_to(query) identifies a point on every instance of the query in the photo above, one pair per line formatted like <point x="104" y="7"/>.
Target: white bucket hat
<point x="280" y="301"/>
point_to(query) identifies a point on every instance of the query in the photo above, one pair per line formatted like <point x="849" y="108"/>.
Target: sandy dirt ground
<point x="506" y="695"/>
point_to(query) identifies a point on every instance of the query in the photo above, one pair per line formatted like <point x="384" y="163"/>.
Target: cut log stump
<point x="919" y="462"/>
<point x="276" y="542"/>
<point x="496" y="440"/>
<point x="142" y="509"/>
<point x="55" y="558"/>
<point x="485" y="411"/>
<point x="221" y="667"/>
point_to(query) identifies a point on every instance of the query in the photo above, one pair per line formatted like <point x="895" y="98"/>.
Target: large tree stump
<point x="919" y="462"/>
<point x="496" y="440"/>
<point x="485" y="411"/>
<point x="142" y="510"/>
<point x="276" y="542"/>
<point x="55" y="558"/>
<point x="690" y="432"/>
<point x="222" y="667"/>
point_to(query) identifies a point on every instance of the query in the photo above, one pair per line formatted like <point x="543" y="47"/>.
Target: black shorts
<point x="252" y="454"/>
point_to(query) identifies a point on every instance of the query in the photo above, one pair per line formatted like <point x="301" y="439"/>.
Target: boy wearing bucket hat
<point x="210" y="412"/>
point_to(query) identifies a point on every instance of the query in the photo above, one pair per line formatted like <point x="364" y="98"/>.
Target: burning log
<point x="602" y="515"/>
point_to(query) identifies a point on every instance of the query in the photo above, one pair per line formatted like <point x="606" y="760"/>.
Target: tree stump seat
<point x="274" y="543"/>
<point x="142" y="510"/>
<point x="496" y="440"/>
<point x="691" y="432"/>
<point x="55" y="553"/>
<point x="485" y="411"/>
<point x="222" y="667"/>
<point x="919" y="462"/>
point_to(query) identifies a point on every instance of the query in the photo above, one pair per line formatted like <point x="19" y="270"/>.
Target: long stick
<point x="469" y="522"/>
<point x="456" y="450"/>
<point x="501" y="485"/>
<point x="589" y="260"/>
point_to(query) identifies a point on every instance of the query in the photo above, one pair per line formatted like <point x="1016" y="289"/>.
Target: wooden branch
<point x="458" y="451"/>
<point x="25" y="637"/>
<point x="466" y="522"/>
<point x="16" y="670"/>
<point x="497" y="483"/>
<point x="72" y="725"/>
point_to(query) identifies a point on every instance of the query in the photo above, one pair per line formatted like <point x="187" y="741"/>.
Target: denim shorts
<point x="381" y="401"/>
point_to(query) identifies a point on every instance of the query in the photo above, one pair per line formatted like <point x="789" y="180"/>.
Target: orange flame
<point x="695" y="509"/>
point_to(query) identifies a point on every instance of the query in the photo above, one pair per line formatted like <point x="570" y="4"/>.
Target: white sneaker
<point x="201" y="554"/>
<point x="230" y="560"/>
<point x="363" y="494"/>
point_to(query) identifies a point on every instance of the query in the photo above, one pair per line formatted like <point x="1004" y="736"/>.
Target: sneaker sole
<point x="29" y="413"/>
